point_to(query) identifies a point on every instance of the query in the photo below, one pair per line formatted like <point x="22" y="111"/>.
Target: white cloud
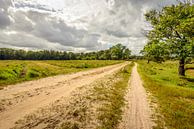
<point x="74" y="25"/>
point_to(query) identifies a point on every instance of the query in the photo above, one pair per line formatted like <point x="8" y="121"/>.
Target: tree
<point x="173" y="29"/>
<point x="117" y="51"/>
<point x="155" y="51"/>
<point x="126" y="54"/>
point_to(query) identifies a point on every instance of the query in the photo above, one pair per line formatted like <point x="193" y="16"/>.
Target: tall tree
<point x="173" y="27"/>
<point x="126" y="54"/>
<point x="117" y="51"/>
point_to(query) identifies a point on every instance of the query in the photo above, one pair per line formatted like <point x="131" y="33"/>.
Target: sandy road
<point x="138" y="113"/>
<point x="19" y="100"/>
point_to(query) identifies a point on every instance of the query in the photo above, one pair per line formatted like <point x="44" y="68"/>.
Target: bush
<point x="5" y="75"/>
<point x="33" y="74"/>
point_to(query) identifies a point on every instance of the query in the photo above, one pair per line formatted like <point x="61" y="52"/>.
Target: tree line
<point x="117" y="52"/>
<point x="172" y="34"/>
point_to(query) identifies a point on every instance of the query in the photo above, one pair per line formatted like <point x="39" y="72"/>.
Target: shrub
<point x="33" y="74"/>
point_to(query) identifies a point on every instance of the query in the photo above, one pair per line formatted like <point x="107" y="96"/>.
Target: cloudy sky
<point x="75" y="25"/>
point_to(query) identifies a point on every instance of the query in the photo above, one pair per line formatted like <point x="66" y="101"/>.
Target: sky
<point x="75" y="25"/>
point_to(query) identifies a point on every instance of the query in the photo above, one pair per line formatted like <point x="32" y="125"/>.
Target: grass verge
<point x="175" y="95"/>
<point x="112" y="99"/>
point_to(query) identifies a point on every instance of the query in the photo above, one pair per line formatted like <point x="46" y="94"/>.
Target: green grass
<point x="112" y="97"/>
<point x="175" y="94"/>
<point x="12" y="72"/>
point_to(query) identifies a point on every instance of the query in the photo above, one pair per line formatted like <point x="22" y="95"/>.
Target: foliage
<point x="172" y="33"/>
<point x="155" y="51"/>
<point x="175" y="95"/>
<point x="117" y="52"/>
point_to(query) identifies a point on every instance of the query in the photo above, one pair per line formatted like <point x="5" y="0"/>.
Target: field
<point x="174" y="94"/>
<point x="111" y="96"/>
<point x="12" y="72"/>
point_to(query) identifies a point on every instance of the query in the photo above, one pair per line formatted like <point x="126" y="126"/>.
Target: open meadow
<point x="14" y="71"/>
<point x="173" y="94"/>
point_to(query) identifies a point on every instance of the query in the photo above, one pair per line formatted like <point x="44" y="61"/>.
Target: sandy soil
<point x="17" y="101"/>
<point x="138" y="112"/>
<point x="80" y="110"/>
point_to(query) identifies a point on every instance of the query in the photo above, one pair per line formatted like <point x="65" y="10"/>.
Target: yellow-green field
<point x="17" y="71"/>
<point x="175" y="94"/>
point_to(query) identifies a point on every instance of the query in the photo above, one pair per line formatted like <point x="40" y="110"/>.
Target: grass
<point x="175" y="94"/>
<point x="12" y="72"/>
<point x="112" y="98"/>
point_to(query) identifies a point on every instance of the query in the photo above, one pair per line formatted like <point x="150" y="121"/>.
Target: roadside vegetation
<point x="17" y="71"/>
<point x="112" y="99"/>
<point x="174" y="93"/>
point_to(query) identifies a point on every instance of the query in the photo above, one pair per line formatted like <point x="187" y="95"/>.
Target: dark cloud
<point x="22" y="40"/>
<point x="5" y="4"/>
<point x="4" y="19"/>
<point x="4" y="16"/>
<point x="52" y="30"/>
<point x="33" y="6"/>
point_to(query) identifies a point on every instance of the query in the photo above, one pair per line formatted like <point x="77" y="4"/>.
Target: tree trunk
<point x="182" y="67"/>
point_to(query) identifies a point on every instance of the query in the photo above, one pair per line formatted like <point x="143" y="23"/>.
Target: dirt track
<point x="19" y="100"/>
<point x="138" y="112"/>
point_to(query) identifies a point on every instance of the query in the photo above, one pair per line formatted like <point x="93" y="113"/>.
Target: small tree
<point x="126" y="54"/>
<point x="117" y="51"/>
<point x="173" y="29"/>
<point x="155" y="51"/>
